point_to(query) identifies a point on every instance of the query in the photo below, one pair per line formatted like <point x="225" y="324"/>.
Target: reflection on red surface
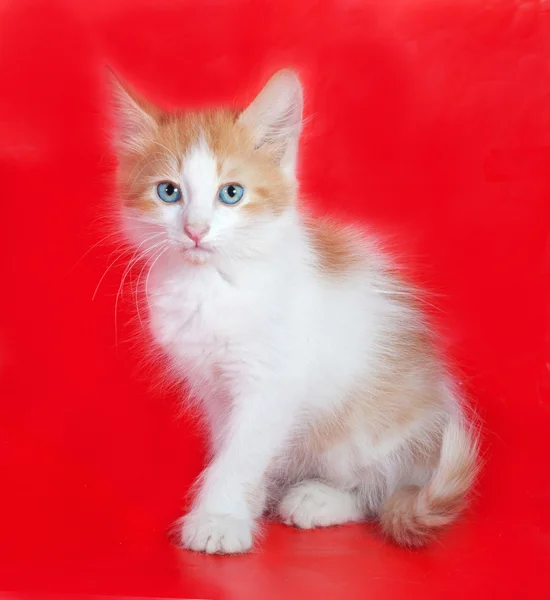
<point x="431" y="120"/>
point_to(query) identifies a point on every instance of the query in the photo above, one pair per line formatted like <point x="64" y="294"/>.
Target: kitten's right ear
<point x="135" y="119"/>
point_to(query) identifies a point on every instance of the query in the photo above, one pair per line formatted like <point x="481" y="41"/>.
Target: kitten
<point x="323" y="392"/>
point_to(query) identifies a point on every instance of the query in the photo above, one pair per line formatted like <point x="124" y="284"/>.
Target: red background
<point x="430" y="119"/>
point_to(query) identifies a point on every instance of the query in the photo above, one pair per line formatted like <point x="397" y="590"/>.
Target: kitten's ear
<point x="275" y="117"/>
<point x="135" y="119"/>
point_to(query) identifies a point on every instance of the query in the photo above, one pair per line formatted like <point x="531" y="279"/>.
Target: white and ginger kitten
<point x="324" y="395"/>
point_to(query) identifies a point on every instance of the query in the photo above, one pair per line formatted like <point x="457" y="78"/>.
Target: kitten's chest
<point x="200" y="320"/>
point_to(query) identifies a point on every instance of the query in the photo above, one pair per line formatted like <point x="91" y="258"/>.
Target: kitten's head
<point x="212" y="183"/>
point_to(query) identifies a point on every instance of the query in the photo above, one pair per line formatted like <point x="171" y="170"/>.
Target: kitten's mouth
<point x="196" y="252"/>
<point x="199" y="248"/>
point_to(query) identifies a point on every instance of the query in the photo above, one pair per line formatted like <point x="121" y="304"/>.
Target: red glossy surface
<point x="429" y="119"/>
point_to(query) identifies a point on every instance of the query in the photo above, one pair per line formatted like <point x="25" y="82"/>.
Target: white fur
<point x="268" y="343"/>
<point x="313" y="503"/>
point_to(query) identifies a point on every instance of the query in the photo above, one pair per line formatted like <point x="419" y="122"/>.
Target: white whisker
<point x="105" y="274"/>
<point x="89" y="250"/>
<point x="149" y="274"/>
<point x="133" y="261"/>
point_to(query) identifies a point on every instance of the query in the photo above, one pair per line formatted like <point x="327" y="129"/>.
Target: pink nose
<point x="196" y="232"/>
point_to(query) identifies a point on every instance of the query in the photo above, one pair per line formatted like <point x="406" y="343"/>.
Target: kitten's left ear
<point x="136" y="119"/>
<point x="275" y="117"/>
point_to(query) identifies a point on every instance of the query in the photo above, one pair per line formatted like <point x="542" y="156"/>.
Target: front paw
<point x="216" y="534"/>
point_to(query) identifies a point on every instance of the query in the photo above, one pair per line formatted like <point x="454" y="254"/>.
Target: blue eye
<point x="231" y="194"/>
<point x="168" y="192"/>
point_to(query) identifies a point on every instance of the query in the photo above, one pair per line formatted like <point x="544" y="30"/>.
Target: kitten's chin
<point x="196" y="256"/>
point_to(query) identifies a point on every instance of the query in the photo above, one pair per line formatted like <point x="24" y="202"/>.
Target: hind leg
<point x="312" y="503"/>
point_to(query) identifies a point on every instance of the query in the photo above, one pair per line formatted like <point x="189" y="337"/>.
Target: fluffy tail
<point x="412" y="515"/>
